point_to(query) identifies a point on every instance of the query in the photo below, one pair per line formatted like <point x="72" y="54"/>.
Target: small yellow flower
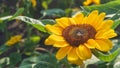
<point x="34" y="3"/>
<point x="88" y="2"/>
<point x="13" y="40"/>
<point x="77" y="35"/>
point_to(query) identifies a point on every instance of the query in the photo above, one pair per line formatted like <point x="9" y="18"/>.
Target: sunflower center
<point x="78" y="34"/>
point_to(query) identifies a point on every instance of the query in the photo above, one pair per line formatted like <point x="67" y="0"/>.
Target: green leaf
<point x="106" y="57"/>
<point x="53" y="12"/>
<point x="44" y="64"/>
<point x="4" y="18"/>
<point x="39" y="27"/>
<point x="4" y="61"/>
<point x="109" y="8"/>
<point x="15" y="58"/>
<point x="19" y="11"/>
<point x="35" y="23"/>
<point x="11" y="17"/>
<point x="45" y="60"/>
<point x="42" y="60"/>
<point x="117" y="23"/>
<point x="48" y="21"/>
<point x="114" y="16"/>
<point x="27" y="66"/>
<point x="3" y="48"/>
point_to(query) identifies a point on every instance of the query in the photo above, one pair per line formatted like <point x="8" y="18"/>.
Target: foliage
<point x="20" y="17"/>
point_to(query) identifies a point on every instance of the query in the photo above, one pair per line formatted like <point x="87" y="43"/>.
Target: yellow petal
<point x="63" y="22"/>
<point x="105" y="25"/>
<point x="83" y="52"/>
<point x="60" y="44"/>
<point x="72" y="21"/>
<point x="92" y="17"/>
<point x="77" y="62"/>
<point x="62" y="52"/>
<point x="34" y="3"/>
<point x="96" y="2"/>
<point x="56" y="30"/>
<point x="99" y="20"/>
<point x="78" y="18"/>
<point x="104" y="45"/>
<point x="87" y="2"/>
<point x="72" y="56"/>
<point x="84" y="20"/>
<point x="48" y="42"/>
<point x="53" y="38"/>
<point x="105" y="34"/>
<point x="91" y="43"/>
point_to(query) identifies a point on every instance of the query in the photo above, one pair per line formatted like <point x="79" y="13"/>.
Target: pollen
<point x="78" y="34"/>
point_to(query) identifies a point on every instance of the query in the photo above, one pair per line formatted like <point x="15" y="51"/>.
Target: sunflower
<point x="88" y="2"/>
<point x="76" y="36"/>
<point x="13" y="40"/>
<point x="34" y="3"/>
